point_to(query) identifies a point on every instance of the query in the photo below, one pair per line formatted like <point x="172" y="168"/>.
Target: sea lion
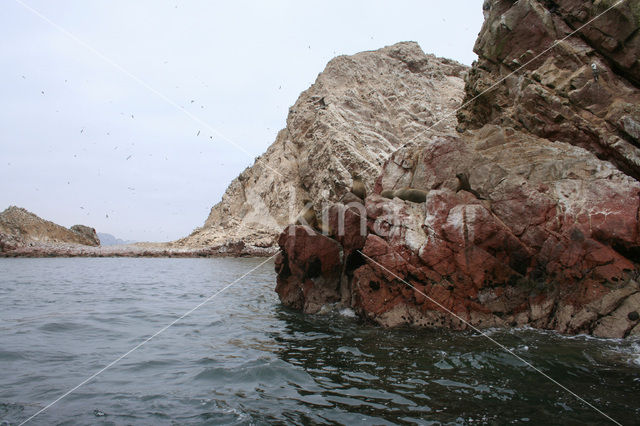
<point x="464" y="185"/>
<point x="387" y="193"/>
<point x="308" y="215"/>
<point x="358" y="188"/>
<point x="411" y="194"/>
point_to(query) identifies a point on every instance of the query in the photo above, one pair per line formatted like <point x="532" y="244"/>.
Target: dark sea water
<point x="244" y="359"/>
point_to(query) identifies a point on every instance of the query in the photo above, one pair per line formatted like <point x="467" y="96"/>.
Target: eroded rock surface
<point x="552" y="241"/>
<point x="87" y="233"/>
<point x="557" y="96"/>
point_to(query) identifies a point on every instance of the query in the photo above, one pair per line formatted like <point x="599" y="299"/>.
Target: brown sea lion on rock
<point x="387" y="193"/>
<point x="411" y="194"/>
<point x="358" y="188"/>
<point x="464" y="185"/>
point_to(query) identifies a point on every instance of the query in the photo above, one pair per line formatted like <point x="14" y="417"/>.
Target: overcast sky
<point x="91" y="129"/>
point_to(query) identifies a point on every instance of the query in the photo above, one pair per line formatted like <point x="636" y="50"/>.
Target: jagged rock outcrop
<point x="20" y="228"/>
<point x="546" y="234"/>
<point x="360" y="109"/>
<point x="553" y="241"/>
<point x="88" y="233"/>
<point x="557" y="96"/>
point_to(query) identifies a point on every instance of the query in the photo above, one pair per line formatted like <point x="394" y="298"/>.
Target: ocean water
<point x="244" y="359"/>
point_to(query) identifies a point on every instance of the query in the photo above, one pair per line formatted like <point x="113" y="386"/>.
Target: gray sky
<point x="81" y="140"/>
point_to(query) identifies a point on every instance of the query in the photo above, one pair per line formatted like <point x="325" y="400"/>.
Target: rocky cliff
<point x="360" y="109"/>
<point x="20" y="228"/>
<point x="528" y="215"/>
<point x="559" y="96"/>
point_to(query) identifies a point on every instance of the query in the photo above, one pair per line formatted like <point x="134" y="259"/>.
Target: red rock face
<point x="549" y="239"/>
<point x="308" y="268"/>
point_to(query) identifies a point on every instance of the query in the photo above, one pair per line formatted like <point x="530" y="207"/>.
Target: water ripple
<point x="244" y="359"/>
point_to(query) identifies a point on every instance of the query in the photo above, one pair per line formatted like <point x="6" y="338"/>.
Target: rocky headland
<point x="360" y="109"/>
<point x="527" y="214"/>
<point x="20" y="228"/>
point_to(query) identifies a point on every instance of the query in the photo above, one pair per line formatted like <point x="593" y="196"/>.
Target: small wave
<point x="630" y="351"/>
<point x="337" y="309"/>
<point x="11" y="355"/>
<point x="263" y="371"/>
<point x="57" y="327"/>
<point x="153" y="364"/>
<point x="352" y="351"/>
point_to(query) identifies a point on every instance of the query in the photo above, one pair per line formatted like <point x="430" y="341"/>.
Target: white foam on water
<point x="635" y="353"/>
<point x="347" y="312"/>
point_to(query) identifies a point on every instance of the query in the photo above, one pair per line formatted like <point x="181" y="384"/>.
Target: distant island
<point x="110" y="240"/>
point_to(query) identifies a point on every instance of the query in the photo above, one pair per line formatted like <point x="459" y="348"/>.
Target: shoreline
<point x="69" y="251"/>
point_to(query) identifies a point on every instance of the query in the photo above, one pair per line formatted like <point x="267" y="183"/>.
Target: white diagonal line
<point x="145" y="84"/>
<point x="139" y="345"/>
<point x="476" y="329"/>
